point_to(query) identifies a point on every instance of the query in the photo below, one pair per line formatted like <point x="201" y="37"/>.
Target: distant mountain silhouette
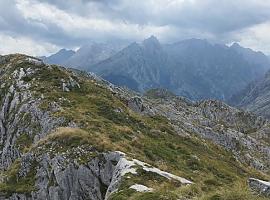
<point x="192" y="68"/>
<point x="59" y="58"/>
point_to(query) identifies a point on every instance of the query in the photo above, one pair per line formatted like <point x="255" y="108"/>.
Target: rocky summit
<point x="67" y="134"/>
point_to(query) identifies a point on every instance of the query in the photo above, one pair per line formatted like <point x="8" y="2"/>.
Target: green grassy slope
<point x="106" y="123"/>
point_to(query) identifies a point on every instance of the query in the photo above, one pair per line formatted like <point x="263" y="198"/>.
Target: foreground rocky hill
<point x="66" y="134"/>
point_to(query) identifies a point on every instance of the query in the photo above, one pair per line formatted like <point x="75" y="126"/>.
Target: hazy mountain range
<point x="192" y="68"/>
<point x="86" y="56"/>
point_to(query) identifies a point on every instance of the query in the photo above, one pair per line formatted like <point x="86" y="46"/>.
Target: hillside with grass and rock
<point x="67" y="134"/>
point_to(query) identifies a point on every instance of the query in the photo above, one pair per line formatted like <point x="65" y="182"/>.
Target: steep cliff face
<point x="63" y="133"/>
<point x="255" y="97"/>
<point x="21" y="119"/>
<point x="138" y="66"/>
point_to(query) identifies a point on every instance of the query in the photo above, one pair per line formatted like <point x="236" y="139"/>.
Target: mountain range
<point x="68" y="134"/>
<point x="85" y="56"/>
<point x="192" y="68"/>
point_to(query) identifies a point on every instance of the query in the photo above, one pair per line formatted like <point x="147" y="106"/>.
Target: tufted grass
<point x="15" y="184"/>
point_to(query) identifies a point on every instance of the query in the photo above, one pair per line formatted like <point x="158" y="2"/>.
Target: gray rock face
<point x="21" y="118"/>
<point x="136" y="104"/>
<point x="244" y="134"/>
<point x="262" y="187"/>
<point x="255" y="97"/>
<point x="97" y="179"/>
<point x="20" y="114"/>
<point x="68" y="85"/>
<point x="57" y="180"/>
<point x="129" y="166"/>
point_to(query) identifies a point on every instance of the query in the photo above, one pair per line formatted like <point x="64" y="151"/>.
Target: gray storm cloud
<point x="69" y="23"/>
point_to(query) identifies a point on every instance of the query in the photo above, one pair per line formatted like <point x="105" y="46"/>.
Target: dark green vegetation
<point x="159" y="93"/>
<point x="107" y="124"/>
<point x="16" y="184"/>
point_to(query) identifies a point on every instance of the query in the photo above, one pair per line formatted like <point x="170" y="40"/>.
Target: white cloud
<point x="24" y="45"/>
<point x="70" y="23"/>
<point x="256" y="37"/>
<point x="84" y="27"/>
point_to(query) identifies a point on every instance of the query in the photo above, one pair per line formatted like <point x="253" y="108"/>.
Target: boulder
<point x="260" y="186"/>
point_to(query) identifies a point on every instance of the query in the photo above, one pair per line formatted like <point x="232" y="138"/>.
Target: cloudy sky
<point x="41" y="27"/>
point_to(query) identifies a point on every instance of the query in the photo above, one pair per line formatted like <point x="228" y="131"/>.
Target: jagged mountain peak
<point x="133" y="45"/>
<point x="236" y="45"/>
<point x="152" y="41"/>
<point x="151" y="38"/>
<point x="254" y="57"/>
<point x="66" y="50"/>
<point x="194" y="42"/>
<point x="242" y="50"/>
<point x="148" y="45"/>
<point x="59" y="57"/>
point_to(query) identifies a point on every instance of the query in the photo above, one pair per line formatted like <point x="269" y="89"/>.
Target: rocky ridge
<point x="243" y="133"/>
<point x="20" y="116"/>
<point x="62" y="131"/>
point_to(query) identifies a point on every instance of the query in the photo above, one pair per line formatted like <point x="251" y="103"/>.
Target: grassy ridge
<point x="108" y="125"/>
